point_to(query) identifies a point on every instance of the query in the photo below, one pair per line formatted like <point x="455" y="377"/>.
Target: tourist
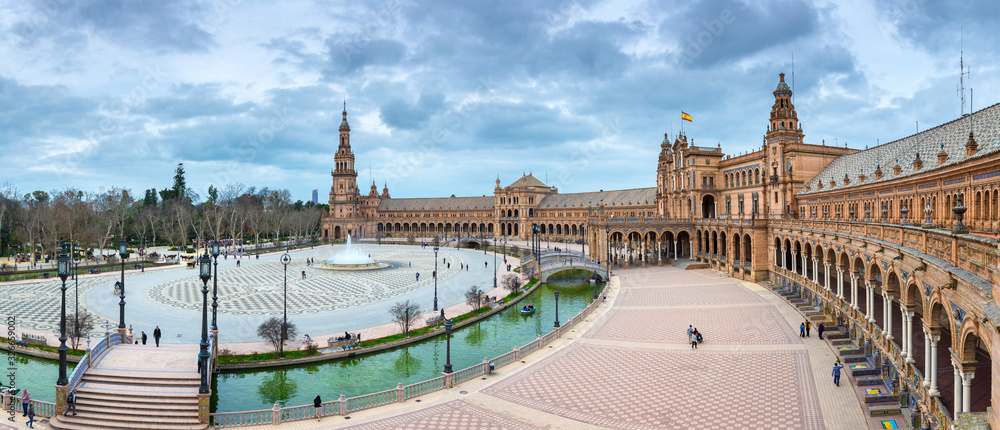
<point x="31" y="416"/>
<point x="819" y="329"/>
<point x="836" y="373"/>
<point x="418" y="276"/>
<point x="690" y="331"/>
<point x="698" y="336"/>
<point x="486" y="264"/>
<point x="238" y="262"/>
<point x="70" y="402"/>
<point x="318" y="404"/>
<point x="25" y="400"/>
<point x="449" y="265"/>
<point x="156" y="336"/>
<point x="694" y="341"/>
<point x="303" y="274"/>
<point x="144" y="338"/>
<point x="802" y="330"/>
<point x="808" y="326"/>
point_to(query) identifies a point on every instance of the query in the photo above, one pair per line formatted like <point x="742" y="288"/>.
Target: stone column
<point x="887" y="304"/>
<point x="691" y="244"/>
<point x="967" y="391"/>
<point x="840" y="283"/>
<point x="795" y="262"/>
<point x="677" y="254"/>
<point x="815" y="271"/>
<point x="854" y="291"/>
<point x="869" y="298"/>
<point x="927" y="359"/>
<point x="957" y="385"/>
<point x="826" y="276"/>
<point x="908" y="333"/>
<point x="933" y="390"/>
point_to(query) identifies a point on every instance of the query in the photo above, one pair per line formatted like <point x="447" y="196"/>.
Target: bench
<point x="33" y="339"/>
<point x="348" y="343"/>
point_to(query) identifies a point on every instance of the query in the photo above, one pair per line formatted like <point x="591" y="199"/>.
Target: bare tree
<point x="474" y="297"/>
<point x="510" y="282"/>
<point x="405" y="314"/>
<point x="80" y="326"/>
<point x="270" y="330"/>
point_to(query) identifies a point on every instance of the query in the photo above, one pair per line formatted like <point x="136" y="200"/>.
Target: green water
<point x="37" y="375"/>
<point x="424" y="360"/>
<point x="244" y="391"/>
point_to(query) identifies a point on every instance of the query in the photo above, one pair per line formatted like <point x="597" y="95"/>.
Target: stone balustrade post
<point x="400" y="393"/>
<point x="276" y="413"/>
<point x="342" y="405"/>
<point x="517" y="353"/>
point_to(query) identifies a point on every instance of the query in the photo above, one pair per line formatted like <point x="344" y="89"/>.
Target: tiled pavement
<point x="648" y="379"/>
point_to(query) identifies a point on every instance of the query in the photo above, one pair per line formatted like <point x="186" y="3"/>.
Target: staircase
<point x="138" y="387"/>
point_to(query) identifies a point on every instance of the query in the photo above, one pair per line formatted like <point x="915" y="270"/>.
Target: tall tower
<point x="344" y="196"/>
<point x="783" y="131"/>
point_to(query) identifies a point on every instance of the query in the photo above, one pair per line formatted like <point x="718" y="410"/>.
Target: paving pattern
<point x="652" y="388"/>
<point x="36" y="305"/>
<point x="457" y="415"/>
<point x="727" y="293"/>
<point x="733" y="325"/>
<point x="256" y="287"/>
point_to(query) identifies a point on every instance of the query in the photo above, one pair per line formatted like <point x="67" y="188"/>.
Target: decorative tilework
<point x="925" y="186"/>
<point x="954" y="181"/>
<point x="986" y="175"/>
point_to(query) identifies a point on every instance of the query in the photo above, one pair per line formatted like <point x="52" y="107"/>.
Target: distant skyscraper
<point x="315" y="196"/>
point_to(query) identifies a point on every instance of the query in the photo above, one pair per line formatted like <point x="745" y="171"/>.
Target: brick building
<point x="880" y="239"/>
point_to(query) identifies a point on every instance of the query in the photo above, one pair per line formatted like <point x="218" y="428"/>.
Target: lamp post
<point x="285" y="259"/>
<point x="557" y="309"/>
<point x="142" y="254"/>
<point x="494" y="264"/>
<point x="215" y="285"/>
<point x="435" y="278"/>
<point x="122" y="254"/>
<point x="63" y="274"/>
<point x="447" y="336"/>
<point x="206" y="273"/>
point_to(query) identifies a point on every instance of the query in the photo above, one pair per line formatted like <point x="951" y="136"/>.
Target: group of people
<point x="806" y="327"/>
<point x="528" y="308"/>
<point x="156" y="336"/>
<point x="694" y="336"/>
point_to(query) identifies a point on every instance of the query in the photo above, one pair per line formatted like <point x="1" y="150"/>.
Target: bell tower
<point x="344" y="195"/>
<point x="783" y="131"/>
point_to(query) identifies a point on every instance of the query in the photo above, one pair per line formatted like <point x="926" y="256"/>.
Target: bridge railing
<point x="343" y="405"/>
<point x="102" y="345"/>
<point x="42" y="409"/>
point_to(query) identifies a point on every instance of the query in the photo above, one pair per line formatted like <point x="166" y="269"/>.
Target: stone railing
<point x="976" y="254"/>
<point x="42" y="409"/>
<point x="345" y="405"/>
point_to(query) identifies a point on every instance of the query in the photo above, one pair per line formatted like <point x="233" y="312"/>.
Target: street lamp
<point x="447" y="336"/>
<point x="557" y="308"/>
<point x="142" y="254"/>
<point x="215" y="285"/>
<point x="206" y="273"/>
<point x="285" y="259"/>
<point x="63" y="274"/>
<point x="435" y="278"/>
<point x="122" y="255"/>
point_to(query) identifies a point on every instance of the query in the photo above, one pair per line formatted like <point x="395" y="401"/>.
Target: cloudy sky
<point x="445" y="95"/>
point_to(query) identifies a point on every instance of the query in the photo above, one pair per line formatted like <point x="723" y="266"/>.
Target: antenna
<point x="962" y="71"/>
<point x="793" y="78"/>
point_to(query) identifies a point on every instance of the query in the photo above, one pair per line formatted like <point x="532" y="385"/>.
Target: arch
<point x="777" y="252"/>
<point x="515" y="213"/>
<point x="722" y="246"/>
<point x="737" y="250"/>
<point x="708" y="206"/>
<point x="747" y="250"/>
<point x="337" y="232"/>
<point x="891" y="284"/>
<point x="683" y="244"/>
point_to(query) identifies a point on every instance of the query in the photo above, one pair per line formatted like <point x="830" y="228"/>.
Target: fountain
<point x="350" y="258"/>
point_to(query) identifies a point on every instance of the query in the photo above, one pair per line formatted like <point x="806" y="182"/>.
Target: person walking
<point x="836" y="373"/>
<point x="144" y="338"/>
<point x="802" y="330"/>
<point x="808" y="326"/>
<point x="690" y="330"/>
<point x="819" y="330"/>
<point x="25" y="401"/>
<point x="318" y="404"/>
<point x="31" y="416"/>
<point x="694" y="341"/>
<point x="70" y="402"/>
<point x="156" y="336"/>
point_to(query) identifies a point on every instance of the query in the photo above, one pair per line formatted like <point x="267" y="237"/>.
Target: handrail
<point x="104" y="344"/>
<point x="394" y="395"/>
<point x="42" y="409"/>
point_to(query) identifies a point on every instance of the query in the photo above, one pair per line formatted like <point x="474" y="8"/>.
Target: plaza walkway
<point x="630" y="366"/>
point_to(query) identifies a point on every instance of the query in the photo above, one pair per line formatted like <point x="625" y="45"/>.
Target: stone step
<point x="116" y="417"/>
<point x="87" y="377"/>
<point x="144" y="403"/>
<point x="116" y="399"/>
<point x="145" y="375"/>
<point x="140" y="409"/>
<point x="884" y="410"/>
<point x="129" y="391"/>
<point x="82" y="423"/>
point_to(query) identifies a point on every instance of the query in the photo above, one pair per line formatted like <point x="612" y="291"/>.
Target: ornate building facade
<point x="880" y="240"/>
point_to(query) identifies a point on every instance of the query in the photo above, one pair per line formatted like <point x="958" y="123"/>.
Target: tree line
<point x="40" y="221"/>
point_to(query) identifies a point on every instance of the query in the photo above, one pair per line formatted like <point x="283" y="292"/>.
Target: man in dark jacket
<point x="156" y="336"/>
<point x="144" y="338"/>
<point x="70" y="402"/>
